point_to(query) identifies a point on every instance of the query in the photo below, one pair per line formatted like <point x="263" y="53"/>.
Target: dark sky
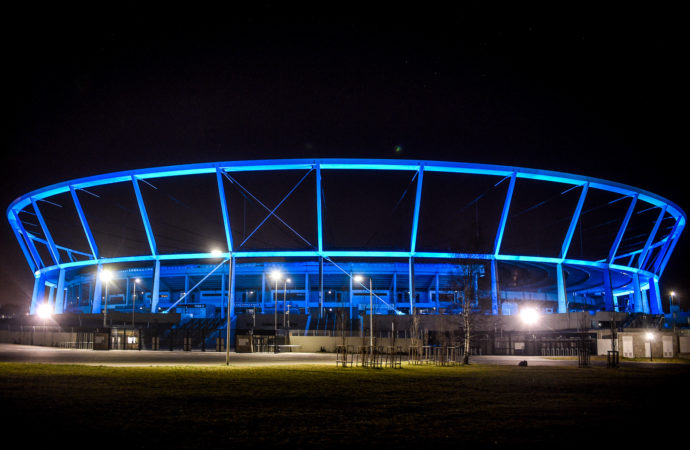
<point x="578" y="89"/>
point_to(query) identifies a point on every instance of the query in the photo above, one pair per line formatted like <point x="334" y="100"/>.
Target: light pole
<point x="276" y="276"/>
<point x="218" y="254"/>
<point x="359" y="278"/>
<point x="134" y="297"/>
<point x="530" y="316"/>
<point x="287" y="280"/>
<point x="673" y="313"/>
<point x="106" y="276"/>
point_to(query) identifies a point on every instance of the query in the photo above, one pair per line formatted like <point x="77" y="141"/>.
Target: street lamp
<point x="530" y="316"/>
<point x="287" y="280"/>
<point x="359" y="278"/>
<point x="650" y="339"/>
<point x="218" y="254"/>
<point x="673" y="313"/>
<point x="275" y="276"/>
<point x="44" y="311"/>
<point x="106" y="276"/>
<point x="134" y="297"/>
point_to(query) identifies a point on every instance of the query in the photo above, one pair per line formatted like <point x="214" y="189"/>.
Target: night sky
<point x="582" y="89"/>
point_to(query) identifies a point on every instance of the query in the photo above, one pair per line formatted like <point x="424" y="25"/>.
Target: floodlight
<point x="44" y="311"/>
<point x="106" y="275"/>
<point x="529" y="316"/>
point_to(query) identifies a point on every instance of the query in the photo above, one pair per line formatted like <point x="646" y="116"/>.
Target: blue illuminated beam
<point x="20" y="239"/>
<point x="504" y="215"/>
<point x="84" y="223"/>
<point x="144" y="217"/>
<point x="645" y="251"/>
<point x="621" y="230"/>
<point x="224" y="209"/>
<point x="573" y="222"/>
<point x="51" y="244"/>
<point x="417" y="204"/>
<point x="319" y="217"/>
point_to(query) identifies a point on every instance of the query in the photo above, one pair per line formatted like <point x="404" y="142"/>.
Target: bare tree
<point x="465" y="283"/>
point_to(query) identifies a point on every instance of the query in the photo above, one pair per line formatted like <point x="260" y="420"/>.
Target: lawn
<point x="303" y="406"/>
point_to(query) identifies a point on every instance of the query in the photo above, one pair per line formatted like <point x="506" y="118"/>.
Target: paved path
<point x="51" y="355"/>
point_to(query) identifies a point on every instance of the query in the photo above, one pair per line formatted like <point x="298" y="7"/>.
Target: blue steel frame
<point x="644" y="272"/>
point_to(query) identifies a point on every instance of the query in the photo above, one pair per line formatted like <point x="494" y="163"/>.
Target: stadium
<point x="300" y="247"/>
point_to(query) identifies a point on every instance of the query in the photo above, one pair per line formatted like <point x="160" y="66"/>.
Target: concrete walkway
<point x="51" y="355"/>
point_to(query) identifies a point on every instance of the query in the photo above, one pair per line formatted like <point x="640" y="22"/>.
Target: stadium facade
<point x="310" y="236"/>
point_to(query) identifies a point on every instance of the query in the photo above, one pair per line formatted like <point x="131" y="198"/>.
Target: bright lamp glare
<point x="276" y="275"/>
<point x="44" y="311"/>
<point x="529" y="316"/>
<point x="358" y="278"/>
<point x="216" y="252"/>
<point x="650" y="336"/>
<point x="106" y="275"/>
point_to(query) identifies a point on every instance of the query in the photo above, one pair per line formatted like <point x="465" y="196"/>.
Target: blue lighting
<point x="644" y="263"/>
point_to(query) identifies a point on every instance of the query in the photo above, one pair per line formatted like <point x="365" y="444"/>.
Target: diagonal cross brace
<point x="271" y="212"/>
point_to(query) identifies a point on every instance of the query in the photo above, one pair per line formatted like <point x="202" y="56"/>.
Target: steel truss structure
<point x="399" y="276"/>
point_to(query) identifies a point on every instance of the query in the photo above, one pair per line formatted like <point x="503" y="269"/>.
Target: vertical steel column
<point x="608" y="291"/>
<point x="417" y="204"/>
<point x="224" y="209"/>
<point x="306" y="291"/>
<point x="562" y="293"/>
<point x="504" y="215"/>
<point x="231" y="310"/>
<point x="494" y="287"/>
<point x="654" y="297"/>
<point x="231" y="267"/>
<point x="156" y="286"/>
<point x="38" y="294"/>
<point x="144" y="217"/>
<point x="84" y="223"/>
<point x="638" y="306"/>
<point x="223" y="303"/>
<point x="96" y="300"/>
<point x="319" y="218"/>
<point x="51" y="244"/>
<point x="621" y="230"/>
<point x="412" y="286"/>
<point x="320" y="286"/>
<point x="573" y="221"/>
<point x="395" y="289"/>
<point x="60" y="294"/>
<point x="51" y="296"/>
<point x="645" y="300"/>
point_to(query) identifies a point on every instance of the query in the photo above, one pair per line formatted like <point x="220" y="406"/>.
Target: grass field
<point x="305" y="406"/>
